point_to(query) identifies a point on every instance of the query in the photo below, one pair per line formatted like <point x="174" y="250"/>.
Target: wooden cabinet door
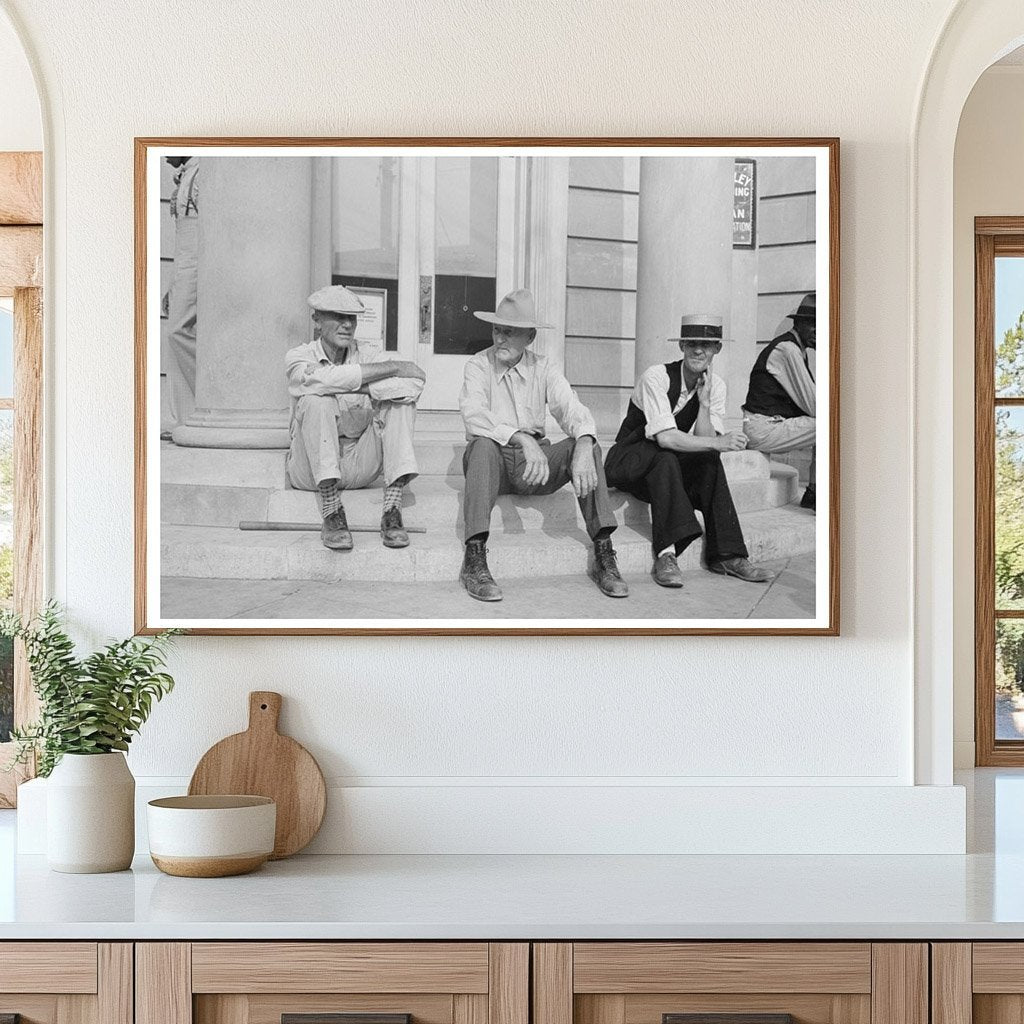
<point x="66" y="982"/>
<point x="332" y="983"/>
<point x="978" y="983"/>
<point x="730" y="983"/>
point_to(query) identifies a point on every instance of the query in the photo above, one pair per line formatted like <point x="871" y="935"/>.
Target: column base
<point x="229" y="428"/>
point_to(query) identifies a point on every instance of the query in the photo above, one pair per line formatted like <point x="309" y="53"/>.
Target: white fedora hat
<point x="517" y="309"/>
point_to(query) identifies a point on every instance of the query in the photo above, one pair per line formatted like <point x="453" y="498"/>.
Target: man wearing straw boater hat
<point x="779" y="413"/>
<point x="352" y="419"/>
<point x="506" y="394"/>
<point x="668" y="453"/>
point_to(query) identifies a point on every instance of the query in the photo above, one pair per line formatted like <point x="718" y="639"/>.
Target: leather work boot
<point x="475" y="576"/>
<point x="605" y="570"/>
<point x="742" y="569"/>
<point x="334" y="532"/>
<point x="809" y="500"/>
<point x="392" y="531"/>
<point x="666" y="571"/>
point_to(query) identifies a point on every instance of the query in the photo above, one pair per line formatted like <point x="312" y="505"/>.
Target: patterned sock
<point x="328" y="497"/>
<point x="393" y="494"/>
<point x="670" y="550"/>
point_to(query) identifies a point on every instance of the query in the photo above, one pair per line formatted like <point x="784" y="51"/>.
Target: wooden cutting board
<point x="262" y="762"/>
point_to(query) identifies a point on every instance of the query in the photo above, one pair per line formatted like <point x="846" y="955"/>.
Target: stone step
<point x="209" y="552"/>
<point x="433" y="503"/>
<point x="439" y="454"/>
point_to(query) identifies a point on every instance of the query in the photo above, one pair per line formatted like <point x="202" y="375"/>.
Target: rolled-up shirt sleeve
<point x="717" y="408"/>
<point x="475" y="406"/>
<point x="569" y="412"/>
<point x="787" y="366"/>
<point x="651" y="395"/>
<point x="306" y="377"/>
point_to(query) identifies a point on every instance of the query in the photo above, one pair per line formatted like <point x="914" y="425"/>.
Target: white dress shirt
<point x="651" y="395"/>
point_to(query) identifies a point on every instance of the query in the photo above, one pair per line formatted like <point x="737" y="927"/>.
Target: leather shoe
<point x="334" y="532"/>
<point x="666" y="571"/>
<point x="742" y="569"/>
<point x="809" y="500"/>
<point x="605" y="570"/>
<point x="475" y="576"/>
<point x="392" y="531"/>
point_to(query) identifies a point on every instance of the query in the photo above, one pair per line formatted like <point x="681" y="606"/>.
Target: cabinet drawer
<point x="730" y="983"/>
<point x="65" y="967"/>
<point x="635" y="967"/>
<point x="332" y="983"/>
<point x="66" y="982"/>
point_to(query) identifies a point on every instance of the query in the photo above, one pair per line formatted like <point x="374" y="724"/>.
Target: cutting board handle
<point x="264" y="710"/>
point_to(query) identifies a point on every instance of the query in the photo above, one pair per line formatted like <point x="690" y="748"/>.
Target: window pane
<point x="1009" y="481"/>
<point x="365" y="237"/>
<point x="1009" y="322"/>
<point x="465" y="268"/>
<point x="6" y="563"/>
<point x="6" y="351"/>
<point x="1009" y="679"/>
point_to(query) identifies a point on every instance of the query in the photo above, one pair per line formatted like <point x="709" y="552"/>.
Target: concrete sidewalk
<point x="705" y="595"/>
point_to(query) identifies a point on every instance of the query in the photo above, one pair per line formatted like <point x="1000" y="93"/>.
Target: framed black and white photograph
<point x="451" y="386"/>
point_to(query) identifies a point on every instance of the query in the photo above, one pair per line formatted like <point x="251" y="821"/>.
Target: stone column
<point x="255" y="268"/>
<point x="684" y="249"/>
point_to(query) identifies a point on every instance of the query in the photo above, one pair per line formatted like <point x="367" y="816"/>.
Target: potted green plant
<point x="89" y="710"/>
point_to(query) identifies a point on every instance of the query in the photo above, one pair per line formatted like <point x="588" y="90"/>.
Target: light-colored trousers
<point x="351" y="439"/>
<point x="181" y="320"/>
<point x="779" y="434"/>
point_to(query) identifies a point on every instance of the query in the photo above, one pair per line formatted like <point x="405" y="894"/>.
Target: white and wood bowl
<point x="211" y="836"/>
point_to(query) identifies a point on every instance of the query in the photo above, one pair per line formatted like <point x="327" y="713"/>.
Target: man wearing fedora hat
<point x="668" y="453"/>
<point x="779" y="413"/>
<point x="352" y="418"/>
<point x="506" y="394"/>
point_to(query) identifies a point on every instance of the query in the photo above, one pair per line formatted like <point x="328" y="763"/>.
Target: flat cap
<point x="336" y="298"/>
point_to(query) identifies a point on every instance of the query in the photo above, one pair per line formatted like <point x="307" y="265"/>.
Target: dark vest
<point x="633" y="426"/>
<point x="766" y="395"/>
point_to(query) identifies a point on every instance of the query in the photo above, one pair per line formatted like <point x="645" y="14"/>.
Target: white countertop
<point x="516" y="897"/>
<point x="977" y="896"/>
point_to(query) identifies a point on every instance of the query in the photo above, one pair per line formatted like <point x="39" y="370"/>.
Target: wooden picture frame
<point x="994" y="237"/>
<point x="21" y="279"/>
<point x="531" y="186"/>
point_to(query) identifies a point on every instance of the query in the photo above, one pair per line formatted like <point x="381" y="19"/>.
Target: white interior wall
<point x="451" y="714"/>
<point x="987" y="182"/>
<point x="21" y="127"/>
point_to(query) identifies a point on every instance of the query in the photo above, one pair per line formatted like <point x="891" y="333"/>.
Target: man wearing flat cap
<point x="779" y="413"/>
<point x="668" y="453"/>
<point x="352" y="418"/>
<point x="506" y="394"/>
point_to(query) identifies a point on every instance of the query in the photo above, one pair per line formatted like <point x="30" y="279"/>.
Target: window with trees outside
<point x="999" y="490"/>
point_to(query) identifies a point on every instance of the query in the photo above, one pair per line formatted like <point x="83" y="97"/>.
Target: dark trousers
<point x="492" y="469"/>
<point x="674" y="484"/>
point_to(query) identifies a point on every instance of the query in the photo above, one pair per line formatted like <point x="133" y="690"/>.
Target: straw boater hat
<point x="700" y="327"/>
<point x="336" y="298"/>
<point x="808" y="308"/>
<point x="517" y="309"/>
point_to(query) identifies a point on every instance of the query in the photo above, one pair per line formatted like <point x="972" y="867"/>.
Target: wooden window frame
<point x="21" y="277"/>
<point x="993" y="237"/>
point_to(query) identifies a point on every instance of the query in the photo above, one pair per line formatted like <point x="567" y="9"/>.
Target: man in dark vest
<point x="668" y="453"/>
<point x="779" y="413"/>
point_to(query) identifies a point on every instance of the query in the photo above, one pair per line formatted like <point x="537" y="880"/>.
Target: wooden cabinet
<point x="978" y="983"/>
<point x="262" y="982"/>
<point x="650" y="982"/>
<point x="66" y="982"/>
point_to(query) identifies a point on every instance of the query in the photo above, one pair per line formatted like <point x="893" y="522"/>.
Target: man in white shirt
<point x="781" y="405"/>
<point x="353" y="412"/>
<point x="506" y="394"/>
<point x="668" y="453"/>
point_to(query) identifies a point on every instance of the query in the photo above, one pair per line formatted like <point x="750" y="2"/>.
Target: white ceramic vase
<point x="90" y="814"/>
